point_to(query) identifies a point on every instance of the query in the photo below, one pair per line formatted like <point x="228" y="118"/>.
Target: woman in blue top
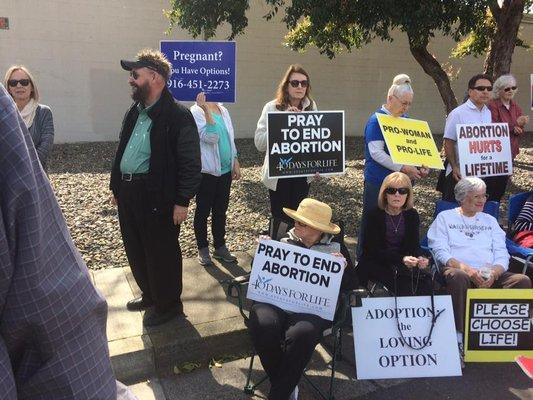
<point x="219" y="167"/>
<point x="378" y="162"/>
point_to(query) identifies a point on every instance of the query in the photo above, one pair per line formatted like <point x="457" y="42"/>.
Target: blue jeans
<point x="370" y="202"/>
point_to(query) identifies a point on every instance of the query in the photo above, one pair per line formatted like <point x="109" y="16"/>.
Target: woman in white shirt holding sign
<point x="285" y="340"/>
<point x="293" y="95"/>
<point x="470" y="245"/>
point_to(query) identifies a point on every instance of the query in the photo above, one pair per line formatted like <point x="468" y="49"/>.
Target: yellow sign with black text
<point x="498" y="324"/>
<point x="409" y="141"/>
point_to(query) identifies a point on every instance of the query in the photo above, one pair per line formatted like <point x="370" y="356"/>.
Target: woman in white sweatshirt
<point x="470" y="245"/>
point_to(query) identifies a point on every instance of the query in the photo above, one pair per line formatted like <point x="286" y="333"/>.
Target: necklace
<point x="466" y="231"/>
<point x="395" y="227"/>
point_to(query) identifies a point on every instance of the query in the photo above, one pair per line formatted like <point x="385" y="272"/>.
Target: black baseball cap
<point x="129" y="65"/>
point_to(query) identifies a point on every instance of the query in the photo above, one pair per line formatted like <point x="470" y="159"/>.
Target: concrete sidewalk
<point x="213" y="327"/>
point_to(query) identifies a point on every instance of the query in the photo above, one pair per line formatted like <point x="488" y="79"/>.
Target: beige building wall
<point x="74" y="47"/>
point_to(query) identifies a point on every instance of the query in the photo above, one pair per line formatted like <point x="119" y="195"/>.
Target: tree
<point x="497" y="36"/>
<point x="332" y="25"/>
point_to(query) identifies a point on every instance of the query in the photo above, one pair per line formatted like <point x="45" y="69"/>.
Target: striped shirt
<point x="524" y="221"/>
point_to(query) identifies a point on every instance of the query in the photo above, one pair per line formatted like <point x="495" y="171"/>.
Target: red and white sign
<point x="484" y="150"/>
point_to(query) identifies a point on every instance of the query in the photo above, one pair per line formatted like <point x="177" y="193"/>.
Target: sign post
<point x="409" y="141"/>
<point x="296" y="279"/>
<point x="304" y="143"/>
<point x="385" y="335"/>
<point x="201" y="67"/>
<point x="484" y="150"/>
<point x="498" y="324"/>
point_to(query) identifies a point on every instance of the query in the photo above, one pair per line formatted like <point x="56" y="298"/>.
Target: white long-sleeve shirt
<point x="378" y="153"/>
<point x="474" y="241"/>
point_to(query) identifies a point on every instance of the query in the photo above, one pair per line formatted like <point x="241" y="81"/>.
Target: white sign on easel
<point x="382" y="353"/>
<point x="484" y="150"/>
<point x="296" y="279"/>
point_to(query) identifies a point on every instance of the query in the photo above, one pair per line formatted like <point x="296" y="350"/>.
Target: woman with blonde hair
<point x="293" y="95"/>
<point x="378" y="162"/>
<point x="391" y="251"/>
<point x="20" y="84"/>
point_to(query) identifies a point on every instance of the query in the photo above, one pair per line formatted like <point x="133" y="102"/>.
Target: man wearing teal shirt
<point x="136" y="157"/>
<point x="155" y="174"/>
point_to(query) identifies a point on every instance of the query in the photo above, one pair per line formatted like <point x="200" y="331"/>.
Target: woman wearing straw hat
<point x="284" y="340"/>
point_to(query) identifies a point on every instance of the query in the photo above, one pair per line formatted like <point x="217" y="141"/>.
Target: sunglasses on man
<point x="483" y="88"/>
<point x="295" y="83"/>
<point x="15" y="82"/>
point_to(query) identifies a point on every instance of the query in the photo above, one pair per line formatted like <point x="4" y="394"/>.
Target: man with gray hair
<point x="470" y="245"/>
<point x="155" y="174"/>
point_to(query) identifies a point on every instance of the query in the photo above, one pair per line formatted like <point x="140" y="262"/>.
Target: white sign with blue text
<point x="198" y="66"/>
<point x="398" y="341"/>
<point x="296" y="279"/>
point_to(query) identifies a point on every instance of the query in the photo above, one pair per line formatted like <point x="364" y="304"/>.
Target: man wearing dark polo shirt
<point x="155" y="174"/>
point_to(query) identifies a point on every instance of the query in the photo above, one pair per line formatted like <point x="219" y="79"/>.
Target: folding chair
<point x="237" y="289"/>
<point x="518" y="253"/>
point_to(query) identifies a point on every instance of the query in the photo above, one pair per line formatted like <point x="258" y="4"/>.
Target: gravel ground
<point x="80" y="176"/>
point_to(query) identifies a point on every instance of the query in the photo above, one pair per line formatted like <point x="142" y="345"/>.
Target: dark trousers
<point x="496" y="186"/>
<point x="289" y="193"/>
<point x="151" y="242"/>
<point x="458" y="282"/>
<point x="370" y="202"/>
<point x="413" y="284"/>
<point x="285" y="343"/>
<point x="212" y="198"/>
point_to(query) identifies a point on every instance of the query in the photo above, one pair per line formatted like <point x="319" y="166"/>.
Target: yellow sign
<point x="409" y="141"/>
<point x="498" y="324"/>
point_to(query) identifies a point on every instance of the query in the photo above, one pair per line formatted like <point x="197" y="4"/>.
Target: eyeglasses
<point x="480" y="197"/>
<point x="15" y="82"/>
<point x="483" y="88"/>
<point x="403" y="103"/>
<point x="402" y="190"/>
<point x="134" y="74"/>
<point x="295" y="83"/>
<point x="508" y="89"/>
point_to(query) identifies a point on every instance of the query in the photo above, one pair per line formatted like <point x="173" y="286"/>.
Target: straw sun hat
<point x="315" y="214"/>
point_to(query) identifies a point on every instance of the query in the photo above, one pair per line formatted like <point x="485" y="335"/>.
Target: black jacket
<point x="175" y="163"/>
<point x="374" y="240"/>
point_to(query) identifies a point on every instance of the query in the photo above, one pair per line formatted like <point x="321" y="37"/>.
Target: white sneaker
<point x="294" y="394"/>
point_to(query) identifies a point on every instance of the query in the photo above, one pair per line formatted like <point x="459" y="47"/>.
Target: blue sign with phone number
<point x="201" y="67"/>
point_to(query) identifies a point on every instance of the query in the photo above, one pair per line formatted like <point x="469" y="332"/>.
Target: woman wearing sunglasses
<point x="391" y="251"/>
<point x="38" y="118"/>
<point x="504" y="109"/>
<point x="293" y="95"/>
